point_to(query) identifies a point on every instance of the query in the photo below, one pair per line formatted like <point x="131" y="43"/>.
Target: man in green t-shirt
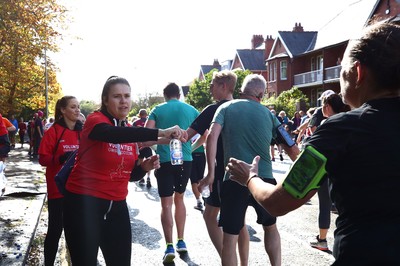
<point x="247" y="128"/>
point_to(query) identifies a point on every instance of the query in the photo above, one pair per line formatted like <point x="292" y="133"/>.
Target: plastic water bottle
<point x="175" y="148"/>
<point x="205" y="193"/>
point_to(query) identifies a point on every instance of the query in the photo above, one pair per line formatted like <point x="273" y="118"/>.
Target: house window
<point x="312" y="63"/>
<point x="320" y="64"/>
<point x="272" y="71"/>
<point x="284" y="70"/>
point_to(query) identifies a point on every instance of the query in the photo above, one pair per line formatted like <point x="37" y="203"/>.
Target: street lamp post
<point x="46" y="83"/>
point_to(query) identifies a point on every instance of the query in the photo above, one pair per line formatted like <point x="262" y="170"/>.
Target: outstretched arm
<point x="211" y="153"/>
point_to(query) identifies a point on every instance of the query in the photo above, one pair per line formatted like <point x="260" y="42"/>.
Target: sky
<point x="154" y="42"/>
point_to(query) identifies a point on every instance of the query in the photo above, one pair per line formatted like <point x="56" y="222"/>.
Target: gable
<point x="297" y="43"/>
<point x="205" y="69"/>
<point x="251" y="59"/>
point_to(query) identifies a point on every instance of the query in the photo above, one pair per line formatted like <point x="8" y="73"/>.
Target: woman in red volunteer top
<point x="57" y="143"/>
<point x="95" y="211"/>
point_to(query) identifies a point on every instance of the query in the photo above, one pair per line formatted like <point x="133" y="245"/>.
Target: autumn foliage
<point x="29" y="30"/>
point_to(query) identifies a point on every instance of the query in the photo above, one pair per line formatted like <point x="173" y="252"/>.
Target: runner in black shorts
<point x="222" y="87"/>
<point x="172" y="178"/>
<point x="198" y="167"/>
<point x="239" y="198"/>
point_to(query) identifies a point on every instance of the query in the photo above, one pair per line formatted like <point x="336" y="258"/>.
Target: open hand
<point x="151" y="163"/>
<point x="241" y="171"/>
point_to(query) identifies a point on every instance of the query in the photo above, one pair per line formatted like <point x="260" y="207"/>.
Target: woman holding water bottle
<point x="95" y="209"/>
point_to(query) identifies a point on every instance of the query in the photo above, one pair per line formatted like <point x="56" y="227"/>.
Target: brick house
<point x="310" y="60"/>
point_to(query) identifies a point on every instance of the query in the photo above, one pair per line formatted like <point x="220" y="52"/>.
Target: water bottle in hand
<point x="205" y="193"/>
<point x="175" y="148"/>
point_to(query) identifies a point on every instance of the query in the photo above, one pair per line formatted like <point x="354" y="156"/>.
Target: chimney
<point x="256" y="41"/>
<point x="298" y="28"/>
<point x="269" y="42"/>
<point x="216" y="63"/>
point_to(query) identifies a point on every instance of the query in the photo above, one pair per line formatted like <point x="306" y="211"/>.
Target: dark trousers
<point x="325" y="204"/>
<point x="36" y="144"/>
<point x="90" y="223"/>
<point x="54" y="230"/>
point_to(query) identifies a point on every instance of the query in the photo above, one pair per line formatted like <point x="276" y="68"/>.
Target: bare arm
<point x="166" y="134"/>
<point x="292" y="152"/>
<point x="211" y="152"/>
<point x="191" y="132"/>
<point x="200" y="141"/>
<point x="11" y="128"/>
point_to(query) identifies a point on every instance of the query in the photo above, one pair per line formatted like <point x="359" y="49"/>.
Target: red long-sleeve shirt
<point x="106" y="157"/>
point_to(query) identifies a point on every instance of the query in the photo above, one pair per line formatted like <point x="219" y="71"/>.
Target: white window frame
<point x="283" y="70"/>
<point x="272" y="71"/>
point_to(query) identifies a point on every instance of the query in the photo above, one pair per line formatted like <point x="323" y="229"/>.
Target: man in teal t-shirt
<point x="172" y="178"/>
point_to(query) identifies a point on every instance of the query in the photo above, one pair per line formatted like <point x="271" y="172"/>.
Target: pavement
<point x="20" y="206"/>
<point x="23" y="224"/>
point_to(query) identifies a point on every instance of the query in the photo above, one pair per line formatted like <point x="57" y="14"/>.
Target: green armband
<point x="306" y="173"/>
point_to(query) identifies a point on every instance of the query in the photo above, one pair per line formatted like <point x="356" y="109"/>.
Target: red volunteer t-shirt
<point x="102" y="169"/>
<point x="67" y="142"/>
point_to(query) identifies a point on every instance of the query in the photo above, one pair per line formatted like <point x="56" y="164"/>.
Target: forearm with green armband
<point x="307" y="173"/>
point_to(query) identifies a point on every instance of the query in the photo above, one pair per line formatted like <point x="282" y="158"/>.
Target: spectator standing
<point x="318" y="116"/>
<point x="296" y="122"/>
<point x="172" y="179"/>
<point x="22" y="131"/>
<point x="58" y="142"/>
<point x="364" y="187"/>
<point x="37" y="133"/>
<point x="144" y="152"/>
<point x="331" y="105"/>
<point x="95" y="209"/>
<point x="30" y="129"/>
<point x="273" y="141"/>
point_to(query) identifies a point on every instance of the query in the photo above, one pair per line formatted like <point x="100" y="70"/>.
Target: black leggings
<point x="325" y="204"/>
<point x="54" y="230"/>
<point x="90" y="223"/>
<point x="21" y="138"/>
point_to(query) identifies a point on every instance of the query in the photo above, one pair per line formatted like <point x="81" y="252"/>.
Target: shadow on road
<point x="252" y="233"/>
<point x="150" y="193"/>
<point x="142" y="233"/>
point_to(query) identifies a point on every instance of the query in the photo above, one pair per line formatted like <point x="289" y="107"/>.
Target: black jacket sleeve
<point x="112" y="134"/>
<point x="137" y="173"/>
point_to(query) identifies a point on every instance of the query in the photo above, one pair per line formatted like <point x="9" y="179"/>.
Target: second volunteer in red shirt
<point x="58" y="142"/>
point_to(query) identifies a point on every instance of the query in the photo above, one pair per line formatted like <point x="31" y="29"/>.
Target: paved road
<point x="296" y="229"/>
<point x="19" y="216"/>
